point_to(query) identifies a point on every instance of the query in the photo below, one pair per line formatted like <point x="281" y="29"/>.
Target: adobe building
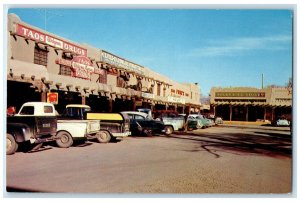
<point x="44" y="67"/>
<point x="251" y="104"/>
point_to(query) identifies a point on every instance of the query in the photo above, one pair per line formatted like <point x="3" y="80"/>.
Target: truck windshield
<point x="76" y="112"/>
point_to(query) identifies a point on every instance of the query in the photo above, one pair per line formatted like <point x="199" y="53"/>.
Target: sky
<point x="212" y="47"/>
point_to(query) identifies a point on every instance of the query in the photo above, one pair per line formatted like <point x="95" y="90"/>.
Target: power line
<point x="47" y="15"/>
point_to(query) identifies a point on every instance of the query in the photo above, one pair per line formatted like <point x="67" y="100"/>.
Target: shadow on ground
<point x="259" y="143"/>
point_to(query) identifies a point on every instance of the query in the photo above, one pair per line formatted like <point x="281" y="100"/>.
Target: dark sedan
<point x="142" y="124"/>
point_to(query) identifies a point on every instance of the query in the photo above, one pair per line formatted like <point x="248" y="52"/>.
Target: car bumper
<point x="125" y="134"/>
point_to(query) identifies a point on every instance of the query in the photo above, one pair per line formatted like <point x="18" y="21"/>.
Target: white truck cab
<point x="36" y="109"/>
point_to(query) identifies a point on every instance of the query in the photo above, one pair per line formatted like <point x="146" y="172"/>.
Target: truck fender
<point x="21" y="132"/>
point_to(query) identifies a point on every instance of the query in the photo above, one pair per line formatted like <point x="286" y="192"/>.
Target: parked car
<point x="173" y="121"/>
<point x="282" y="122"/>
<point x="211" y="122"/>
<point x="200" y="122"/>
<point x="147" y="111"/>
<point x="218" y="120"/>
<point x="142" y="123"/>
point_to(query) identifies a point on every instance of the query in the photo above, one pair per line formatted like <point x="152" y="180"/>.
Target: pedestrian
<point x="186" y="122"/>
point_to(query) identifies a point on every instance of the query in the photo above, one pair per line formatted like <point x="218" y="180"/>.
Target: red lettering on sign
<point x="52" y="41"/>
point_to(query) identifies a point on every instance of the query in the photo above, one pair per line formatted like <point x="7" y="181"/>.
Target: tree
<point x="289" y="85"/>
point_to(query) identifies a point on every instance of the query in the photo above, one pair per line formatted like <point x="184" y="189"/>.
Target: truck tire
<point x="64" y="140"/>
<point x="169" y="130"/>
<point x="103" y="136"/>
<point x="11" y="144"/>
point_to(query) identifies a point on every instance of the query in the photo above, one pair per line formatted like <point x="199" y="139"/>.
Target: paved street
<point x="221" y="159"/>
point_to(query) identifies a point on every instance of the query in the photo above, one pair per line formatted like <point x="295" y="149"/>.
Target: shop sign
<point x="240" y="94"/>
<point x="148" y="95"/>
<point x="120" y="62"/>
<point x="81" y="67"/>
<point x="47" y="39"/>
<point x="52" y="98"/>
<point x="138" y="103"/>
<point x="176" y="99"/>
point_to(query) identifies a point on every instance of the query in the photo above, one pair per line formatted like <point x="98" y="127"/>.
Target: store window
<point x="102" y="77"/>
<point x="121" y="82"/>
<point x="66" y="70"/>
<point x="122" y="79"/>
<point x="40" y="56"/>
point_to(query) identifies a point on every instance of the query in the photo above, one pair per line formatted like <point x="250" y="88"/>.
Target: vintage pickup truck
<point x="34" y="124"/>
<point x="41" y="118"/>
<point x="112" y="125"/>
<point x="69" y="131"/>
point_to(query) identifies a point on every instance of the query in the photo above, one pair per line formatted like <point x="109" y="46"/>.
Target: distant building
<point x="251" y="104"/>
<point x="42" y="66"/>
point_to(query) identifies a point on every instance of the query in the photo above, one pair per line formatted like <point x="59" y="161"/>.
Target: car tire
<point x="64" y="140"/>
<point x="147" y="132"/>
<point x="169" y="130"/>
<point x="103" y="136"/>
<point x="11" y="144"/>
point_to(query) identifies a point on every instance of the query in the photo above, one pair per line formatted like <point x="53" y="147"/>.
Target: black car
<point x="142" y="124"/>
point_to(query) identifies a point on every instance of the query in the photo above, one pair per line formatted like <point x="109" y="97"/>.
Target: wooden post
<point x="133" y="104"/>
<point x="230" y="116"/>
<point x="83" y="100"/>
<point x="110" y="105"/>
<point x="265" y="113"/>
<point x="214" y="110"/>
<point x="43" y="96"/>
<point x="247" y="113"/>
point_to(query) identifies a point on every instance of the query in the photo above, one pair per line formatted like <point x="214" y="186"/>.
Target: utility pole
<point x="262" y="81"/>
<point x="47" y="15"/>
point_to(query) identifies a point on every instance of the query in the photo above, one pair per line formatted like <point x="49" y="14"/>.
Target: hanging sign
<point x="52" y="98"/>
<point x="81" y="67"/>
<point x="120" y="62"/>
<point x="38" y="36"/>
<point x="240" y="94"/>
<point x="148" y="95"/>
<point x="176" y="99"/>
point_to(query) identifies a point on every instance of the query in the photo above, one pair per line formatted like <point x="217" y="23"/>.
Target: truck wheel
<point x="103" y="136"/>
<point x="169" y="130"/>
<point x="11" y="144"/>
<point x="64" y="140"/>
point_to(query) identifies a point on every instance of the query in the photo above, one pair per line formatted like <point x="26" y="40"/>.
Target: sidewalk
<point x="257" y="123"/>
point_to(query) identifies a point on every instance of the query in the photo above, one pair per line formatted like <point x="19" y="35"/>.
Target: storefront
<point x="72" y="73"/>
<point x="251" y="104"/>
